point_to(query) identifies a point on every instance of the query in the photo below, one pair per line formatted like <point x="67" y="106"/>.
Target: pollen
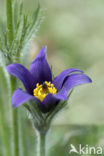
<point x="41" y="91"/>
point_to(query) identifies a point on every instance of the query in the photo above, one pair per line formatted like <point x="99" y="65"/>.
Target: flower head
<point x="40" y="87"/>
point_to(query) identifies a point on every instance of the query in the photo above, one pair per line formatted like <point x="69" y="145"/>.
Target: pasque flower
<point x="39" y="85"/>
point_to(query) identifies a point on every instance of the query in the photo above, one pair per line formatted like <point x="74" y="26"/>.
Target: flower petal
<point x="49" y="103"/>
<point x="20" y="97"/>
<point x="72" y="81"/>
<point x="22" y="74"/>
<point x="51" y="100"/>
<point x="58" y="81"/>
<point x="40" y="69"/>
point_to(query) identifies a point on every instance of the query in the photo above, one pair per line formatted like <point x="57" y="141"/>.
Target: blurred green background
<point x="73" y="31"/>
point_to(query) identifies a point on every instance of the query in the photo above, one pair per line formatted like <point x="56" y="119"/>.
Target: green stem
<point x="41" y="145"/>
<point x="13" y="81"/>
<point x="9" y="20"/>
<point x="15" y="121"/>
<point x="22" y="134"/>
<point x="15" y="132"/>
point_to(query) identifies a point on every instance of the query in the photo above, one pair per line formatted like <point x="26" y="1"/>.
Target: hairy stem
<point x="22" y="134"/>
<point x="13" y="81"/>
<point x="9" y="20"/>
<point x="41" y="145"/>
<point x="15" y="132"/>
<point x="15" y="122"/>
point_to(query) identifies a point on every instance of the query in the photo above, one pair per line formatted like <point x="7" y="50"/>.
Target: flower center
<point x="42" y="90"/>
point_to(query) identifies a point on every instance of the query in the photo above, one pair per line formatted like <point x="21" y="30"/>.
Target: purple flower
<point x="40" y="87"/>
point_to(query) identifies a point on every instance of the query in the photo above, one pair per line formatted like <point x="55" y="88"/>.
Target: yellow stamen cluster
<point x="42" y="90"/>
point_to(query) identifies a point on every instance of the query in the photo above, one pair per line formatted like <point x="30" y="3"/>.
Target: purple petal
<point x="49" y="103"/>
<point x="40" y="69"/>
<point x="72" y="81"/>
<point x="22" y="74"/>
<point x="58" y="81"/>
<point x="20" y="97"/>
<point x="62" y="94"/>
<point x="51" y="100"/>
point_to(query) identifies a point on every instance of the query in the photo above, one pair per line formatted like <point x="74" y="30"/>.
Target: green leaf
<point x="4" y="113"/>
